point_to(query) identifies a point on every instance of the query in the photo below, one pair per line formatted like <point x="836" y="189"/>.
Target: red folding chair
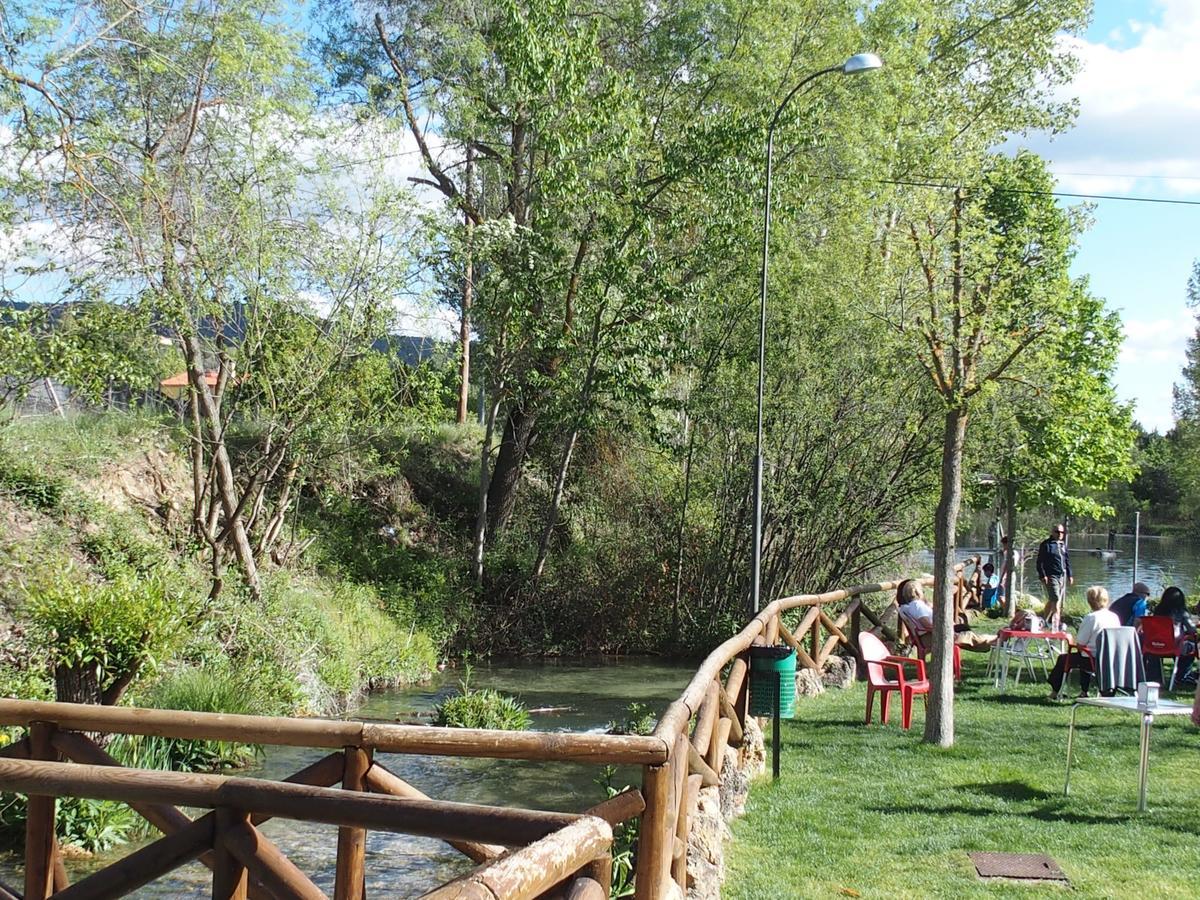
<point x="1159" y="639"/>
<point x="885" y="676"/>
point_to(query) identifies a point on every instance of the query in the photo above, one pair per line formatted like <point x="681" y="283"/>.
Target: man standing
<point x="1131" y="606"/>
<point x="1054" y="568"/>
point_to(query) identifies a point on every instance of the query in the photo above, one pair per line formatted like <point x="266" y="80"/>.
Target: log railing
<point x="522" y="853"/>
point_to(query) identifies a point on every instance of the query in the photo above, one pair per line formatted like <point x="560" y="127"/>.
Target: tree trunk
<point x="468" y="288"/>
<point x="560" y="483"/>
<point x="1010" y="580"/>
<point x="485" y="458"/>
<point x="225" y="482"/>
<point x="510" y="463"/>
<point x="939" y="718"/>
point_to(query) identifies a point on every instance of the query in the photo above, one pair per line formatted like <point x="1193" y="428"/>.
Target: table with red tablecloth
<point x="1028" y="648"/>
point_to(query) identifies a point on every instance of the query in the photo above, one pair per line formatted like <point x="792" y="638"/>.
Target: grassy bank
<point x="97" y="557"/>
<point x="872" y="812"/>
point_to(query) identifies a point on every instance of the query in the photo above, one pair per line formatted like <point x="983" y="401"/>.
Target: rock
<point x="839" y="672"/>
<point x="706" y="847"/>
<point x="808" y="683"/>
<point x="753" y="758"/>
<point x="735" y="786"/>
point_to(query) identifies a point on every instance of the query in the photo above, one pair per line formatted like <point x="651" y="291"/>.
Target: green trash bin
<point x="772" y="669"/>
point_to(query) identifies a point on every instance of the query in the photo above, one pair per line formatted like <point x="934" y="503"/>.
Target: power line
<point x="949" y="186"/>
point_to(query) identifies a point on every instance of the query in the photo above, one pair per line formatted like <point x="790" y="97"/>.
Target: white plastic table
<point x="1147" y="714"/>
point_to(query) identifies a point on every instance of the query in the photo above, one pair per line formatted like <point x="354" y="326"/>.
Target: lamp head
<point x="861" y="62"/>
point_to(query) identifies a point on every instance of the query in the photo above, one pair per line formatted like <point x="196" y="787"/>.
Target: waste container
<point x="772" y="670"/>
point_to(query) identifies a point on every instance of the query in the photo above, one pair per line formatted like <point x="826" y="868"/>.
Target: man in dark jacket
<point x="1132" y="606"/>
<point x="1054" y="568"/>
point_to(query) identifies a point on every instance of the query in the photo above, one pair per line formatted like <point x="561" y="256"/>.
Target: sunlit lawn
<point x="871" y="811"/>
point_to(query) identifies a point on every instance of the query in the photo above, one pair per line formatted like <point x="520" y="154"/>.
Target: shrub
<point x="99" y="636"/>
<point x="481" y="708"/>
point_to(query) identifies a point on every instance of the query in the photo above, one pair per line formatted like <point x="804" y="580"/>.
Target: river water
<point x="593" y="694"/>
<point x="1162" y="562"/>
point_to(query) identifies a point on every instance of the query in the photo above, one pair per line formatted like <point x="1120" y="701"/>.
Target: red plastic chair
<point x="885" y="676"/>
<point x="922" y="644"/>
<point x="1159" y="639"/>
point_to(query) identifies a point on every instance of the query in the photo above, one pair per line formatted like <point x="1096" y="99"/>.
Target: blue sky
<point x="1138" y="133"/>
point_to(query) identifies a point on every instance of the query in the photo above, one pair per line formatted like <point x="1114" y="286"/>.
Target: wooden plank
<point x="599" y="870"/>
<point x="352" y="842"/>
<point x="41" y="846"/>
<point x="16" y="750"/>
<point x="716" y="752"/>
<point x="278" y="875"/>
<point x="533" y="870"/>
<point x="687" y="810"/>
<point x="602" y="749"/>
<point x="382" y="781"/>
<point x="678" y="801"/>
<point x="427" y="818"/>
<point x="229" y="879"/>
<point x="143" y="866"/>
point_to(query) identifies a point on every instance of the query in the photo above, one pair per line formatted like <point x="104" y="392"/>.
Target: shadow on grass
<point x="1008" y="790"/>
<point x="1055" y="812"/>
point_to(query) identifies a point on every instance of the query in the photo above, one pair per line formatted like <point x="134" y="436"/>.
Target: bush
<point x="481" y="708"/>
<point x="95" y="635"/>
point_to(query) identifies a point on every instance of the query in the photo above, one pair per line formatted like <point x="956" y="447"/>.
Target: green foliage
<point x="90" y="825"/>
<point x="111" y="629"/>
<point x="481" y="708"/>
<point x="30" y="484"/>
<point x="625" y="836"/>
<point x="212" y="689"/>
<point x="639" y="719"/>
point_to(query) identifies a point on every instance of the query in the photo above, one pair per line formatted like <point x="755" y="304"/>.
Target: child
<point x="991" y="587"/>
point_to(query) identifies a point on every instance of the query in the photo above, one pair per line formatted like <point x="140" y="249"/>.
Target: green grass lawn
<point x="870" y="811"/>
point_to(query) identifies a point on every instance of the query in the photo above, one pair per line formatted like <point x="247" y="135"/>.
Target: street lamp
<point x="860" y="62"/>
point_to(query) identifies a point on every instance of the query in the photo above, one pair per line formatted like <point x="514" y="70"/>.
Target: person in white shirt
<point x="1093" y="623"/>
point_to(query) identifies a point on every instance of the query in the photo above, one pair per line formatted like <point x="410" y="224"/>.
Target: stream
<point x="595" y="693"/>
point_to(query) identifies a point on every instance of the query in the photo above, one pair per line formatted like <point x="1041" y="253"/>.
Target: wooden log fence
<point x="521" y="853"/>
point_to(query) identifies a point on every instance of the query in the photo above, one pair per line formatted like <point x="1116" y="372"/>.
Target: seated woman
<point x="917" y="616"/>
<point x="915" y="613"/>
<point x="1089" y="630"/>
<point x="1174" y="605"/>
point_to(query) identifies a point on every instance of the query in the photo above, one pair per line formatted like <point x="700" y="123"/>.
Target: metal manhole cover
<point x="1025" y="866"/>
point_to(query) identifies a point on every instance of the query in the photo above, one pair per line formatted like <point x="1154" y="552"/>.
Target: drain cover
<point x="1025" y="866"/>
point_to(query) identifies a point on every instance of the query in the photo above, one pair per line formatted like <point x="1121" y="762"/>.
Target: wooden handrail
<point x="600" y="749"/>
<point x="427" y="818"/>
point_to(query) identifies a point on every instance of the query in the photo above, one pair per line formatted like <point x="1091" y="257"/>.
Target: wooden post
<point x="229" y="879"/>
<point x="814" y="640"/>
<point x="654" y="842"/>
<point x="855" y="631"/>
<point x="352" y="842"/>
<point x="41" y="845"/>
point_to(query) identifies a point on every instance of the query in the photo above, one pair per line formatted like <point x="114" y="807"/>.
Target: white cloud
<point x="1152" y="347"/>
<point x="1139" y="110"/>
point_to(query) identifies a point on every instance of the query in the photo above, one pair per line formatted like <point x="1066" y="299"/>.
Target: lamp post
<point x="860" y="62"/>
